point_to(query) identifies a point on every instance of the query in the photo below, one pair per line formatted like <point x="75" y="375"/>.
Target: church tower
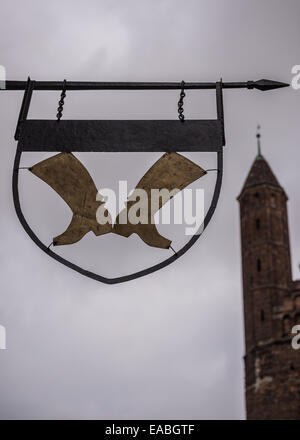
<point x="271" y="298"/>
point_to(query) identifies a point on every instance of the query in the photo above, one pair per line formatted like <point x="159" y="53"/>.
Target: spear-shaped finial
<point x="266" y="84"/>
<point x="259" y="155"/>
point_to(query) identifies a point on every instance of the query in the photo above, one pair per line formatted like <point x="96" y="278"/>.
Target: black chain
<point x="61" y="101"/>
<point x="180" y="103"/>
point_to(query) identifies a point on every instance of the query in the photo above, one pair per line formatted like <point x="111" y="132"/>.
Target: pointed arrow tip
<point x="266" y="84"/>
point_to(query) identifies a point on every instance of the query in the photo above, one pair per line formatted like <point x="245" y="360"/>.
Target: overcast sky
<point x="169" y="345"/>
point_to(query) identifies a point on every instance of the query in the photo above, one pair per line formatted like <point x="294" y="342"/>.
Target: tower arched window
<point x="273" y="201"/>
<point x="286" y="325"/>
<point x="257" y="224"/>
<point x="258" y="265"/>
<point x="262" y="315"/>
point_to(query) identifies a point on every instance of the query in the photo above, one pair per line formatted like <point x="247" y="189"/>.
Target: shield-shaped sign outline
<point x="138" y="274"/>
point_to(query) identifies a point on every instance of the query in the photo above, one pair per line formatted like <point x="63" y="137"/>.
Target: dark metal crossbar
<point x="263" y="84"/>
<point x="116" y="136"/>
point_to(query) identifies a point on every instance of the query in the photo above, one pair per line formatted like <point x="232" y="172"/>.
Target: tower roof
<point x="260" y="172"/>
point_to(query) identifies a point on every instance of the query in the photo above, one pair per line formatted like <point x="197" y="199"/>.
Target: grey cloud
<point x="169" y="345"/>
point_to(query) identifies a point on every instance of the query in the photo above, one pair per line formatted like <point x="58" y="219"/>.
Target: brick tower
<point x="271" y="298"/>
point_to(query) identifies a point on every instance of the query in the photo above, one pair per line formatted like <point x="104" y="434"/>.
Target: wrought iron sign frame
<point x="122" y="136"/>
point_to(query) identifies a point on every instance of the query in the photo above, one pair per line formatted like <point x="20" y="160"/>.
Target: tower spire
<point x="258" y="135"/>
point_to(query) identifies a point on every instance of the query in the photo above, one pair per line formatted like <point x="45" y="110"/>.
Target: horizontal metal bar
<point x="121" y="135"/>
<point x="86" y="85"/>
<point x="79" y="85"/>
